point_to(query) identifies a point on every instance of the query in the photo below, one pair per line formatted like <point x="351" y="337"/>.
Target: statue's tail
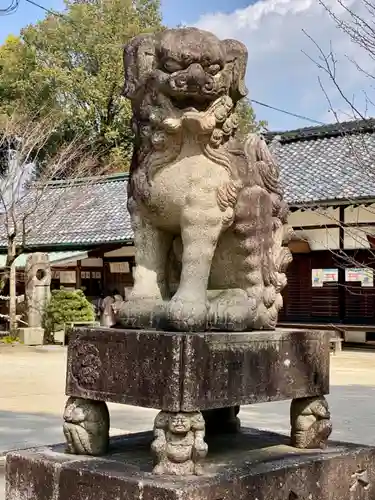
<point x="260" y="221"/>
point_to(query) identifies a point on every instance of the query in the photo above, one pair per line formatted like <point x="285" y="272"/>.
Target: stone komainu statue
<point x="207" y="209"/>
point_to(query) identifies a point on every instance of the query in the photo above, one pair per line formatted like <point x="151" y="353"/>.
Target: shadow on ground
<point x="19" y="430"/>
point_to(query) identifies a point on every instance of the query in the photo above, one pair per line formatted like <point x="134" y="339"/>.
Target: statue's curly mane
<point x="267" y="263"/>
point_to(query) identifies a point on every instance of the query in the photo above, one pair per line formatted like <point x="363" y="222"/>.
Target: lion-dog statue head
<point x="173" y="73"/>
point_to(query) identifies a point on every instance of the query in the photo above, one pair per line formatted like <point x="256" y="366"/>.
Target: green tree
<point x="17" y="72"/>
<point x="72" y="64"/>
<point x="67" y="306"/>
<point x="247" y="119"/>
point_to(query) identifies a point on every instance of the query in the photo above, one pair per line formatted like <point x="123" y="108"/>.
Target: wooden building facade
<point x="329" y="178"/>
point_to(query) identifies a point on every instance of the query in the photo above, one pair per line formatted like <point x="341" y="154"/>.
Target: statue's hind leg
<point x="145" y="301"/>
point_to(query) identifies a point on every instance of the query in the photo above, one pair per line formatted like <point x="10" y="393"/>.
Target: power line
<point x="12" y="7"/>
<point x="287" y="112"/>
<point x="52" y="12"/>
<point x="15" y="3"/>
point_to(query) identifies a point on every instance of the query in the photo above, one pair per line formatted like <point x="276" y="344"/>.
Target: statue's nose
<point x="197" y="77"/>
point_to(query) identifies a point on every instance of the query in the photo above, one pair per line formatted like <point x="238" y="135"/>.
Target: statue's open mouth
<point x="192" y="103"/>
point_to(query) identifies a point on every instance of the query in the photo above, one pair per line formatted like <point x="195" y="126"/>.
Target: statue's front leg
<point x="145" y="301"/>
<point x="200" y="230"/>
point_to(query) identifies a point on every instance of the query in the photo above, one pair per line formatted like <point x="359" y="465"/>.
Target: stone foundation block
<point x="247" y="466"/>
<point x="31" y="335"/>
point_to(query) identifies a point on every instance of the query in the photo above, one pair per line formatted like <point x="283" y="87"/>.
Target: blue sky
<point x="189" y="11"/>
<point x="279" y="71"/>
<point x="174" y="12"/>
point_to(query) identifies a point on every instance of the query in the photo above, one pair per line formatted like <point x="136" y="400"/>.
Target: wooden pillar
<point x="78" y="275"/>
<point x="341" y="272"/>
<point x="12" y="301"/>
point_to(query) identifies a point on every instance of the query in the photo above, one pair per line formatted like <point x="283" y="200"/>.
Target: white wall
<point x="328" y="239"/>
<point x="127" y="251"/>
<point x="313" y="217"/>
<point x="360" y="214"/>
<point x="92" y="262"/>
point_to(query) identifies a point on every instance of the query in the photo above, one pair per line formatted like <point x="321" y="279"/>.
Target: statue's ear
<point x="139" y="61"/>
<point x="237" y="56"/>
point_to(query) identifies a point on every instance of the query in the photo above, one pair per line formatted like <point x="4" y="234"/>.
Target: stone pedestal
<point x="196" y="381"/>
<point x="31" y="335"/>
<point x="181" y="372"/>
<point x="246" y="466"/>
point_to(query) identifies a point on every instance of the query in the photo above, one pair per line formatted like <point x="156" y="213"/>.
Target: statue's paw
<point x="232" y="310"/>
<point x="139" y="313"/>
<point x="186" y="315"/>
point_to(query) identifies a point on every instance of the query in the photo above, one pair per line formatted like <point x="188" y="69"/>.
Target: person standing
<point x="107" y="316"/>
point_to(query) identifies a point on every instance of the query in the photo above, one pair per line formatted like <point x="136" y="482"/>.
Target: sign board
<point x="330" y="275"/>
<point x="68" y="276"/>
<point x="321" y="276"/>
<point x="317" y="277"/>
<point x="364" y="275"/>
<point x="119" y="267"/>
<point x="86" y="275"/>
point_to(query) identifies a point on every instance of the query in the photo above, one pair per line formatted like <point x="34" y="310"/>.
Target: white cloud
<point x="280" y="74"/>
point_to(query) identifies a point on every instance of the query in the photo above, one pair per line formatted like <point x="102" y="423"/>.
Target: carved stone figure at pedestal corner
<point x="207" y="209"/>
<point x="179" y="445"/>
<point x="86" y="427"/>
<point x="310" y="422"/>
<point x="37" y="287"/>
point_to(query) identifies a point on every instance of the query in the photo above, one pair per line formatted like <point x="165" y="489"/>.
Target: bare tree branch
<point x="27" y="197"/>
<point x="359" y="26"/>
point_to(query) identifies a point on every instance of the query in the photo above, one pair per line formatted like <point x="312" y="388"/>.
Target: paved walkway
<point x="32" y="400"/>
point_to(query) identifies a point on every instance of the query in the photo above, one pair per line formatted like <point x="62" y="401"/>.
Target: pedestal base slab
<point x="243" y="466"/>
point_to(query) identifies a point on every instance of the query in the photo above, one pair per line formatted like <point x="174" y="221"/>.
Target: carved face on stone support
<point x="179" y="423"/>
<point x="192" y="67"/>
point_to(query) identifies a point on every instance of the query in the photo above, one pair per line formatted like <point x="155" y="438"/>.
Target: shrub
<point x="67" y="306"/>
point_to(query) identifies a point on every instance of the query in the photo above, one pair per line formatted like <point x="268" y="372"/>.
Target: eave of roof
<point x="72" y="246"/>
<point x="314" y="205"/>
<point x="322" y="131"/>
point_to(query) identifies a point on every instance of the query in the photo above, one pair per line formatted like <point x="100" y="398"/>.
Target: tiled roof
<point x="327" y="163"/>
<point x="85" y="213"/>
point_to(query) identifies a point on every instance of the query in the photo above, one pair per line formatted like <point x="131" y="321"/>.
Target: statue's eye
<point x="172" y="66"/>
<point x="213" y="69"/>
